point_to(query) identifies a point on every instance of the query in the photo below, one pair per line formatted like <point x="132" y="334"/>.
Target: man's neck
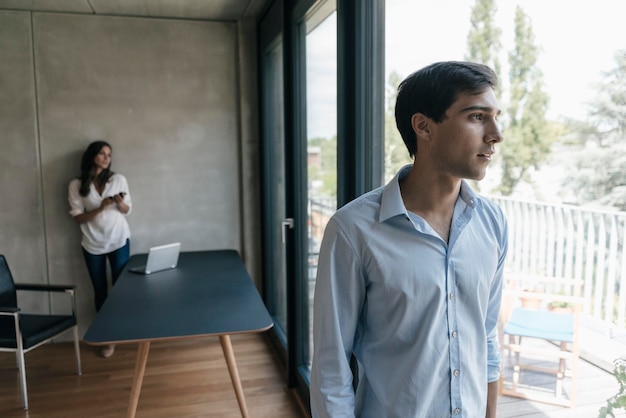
<point x="431" y="197"/>
<point x="424" y="192"/>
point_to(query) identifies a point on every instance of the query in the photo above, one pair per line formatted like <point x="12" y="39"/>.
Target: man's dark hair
<point x="433" y="89"/>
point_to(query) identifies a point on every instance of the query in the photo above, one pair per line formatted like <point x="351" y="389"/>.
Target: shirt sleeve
<point x="75" y="200"/>
<point x="123" y="187"/>
<point x="339" y="296"/>
<point x="495" y="299"/>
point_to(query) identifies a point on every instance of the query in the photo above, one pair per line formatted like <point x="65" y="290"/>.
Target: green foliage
<point x="527" y="143"/>
<point x="526" y="131"/>
<point x="598" y="169"/>
<point x="396" y="153"/>
<point x="559" y="304"/>
<point x="619" y="400"/>
<point x="326" y="172"/>
<point x="483" y="39"/>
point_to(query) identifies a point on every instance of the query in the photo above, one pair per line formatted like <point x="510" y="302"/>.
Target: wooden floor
<point x="189" y="378"/>
<point x="183" y="379"/>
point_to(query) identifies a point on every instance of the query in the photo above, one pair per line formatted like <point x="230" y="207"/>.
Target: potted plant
<point x="531" y="298"/>
<point x="560" y="306"/>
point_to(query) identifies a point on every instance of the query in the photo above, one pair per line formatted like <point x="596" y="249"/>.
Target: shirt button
<point x="457" y="411"/>
<point x="455" y="373"/>
<point x="453" y="334"/>
<point x="451" y="296"/>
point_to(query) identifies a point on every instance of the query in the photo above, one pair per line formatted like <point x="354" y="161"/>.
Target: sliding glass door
<point x="321" y="145"/>
<point x="299" y="111"/>
<point x="274" y="184"/>
<point x="321" y="135"/>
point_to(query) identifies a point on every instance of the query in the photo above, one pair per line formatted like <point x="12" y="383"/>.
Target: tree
<point x="483" y="39"/>
<point x="396" y="153"/>
<point x="598" y="171"/>
<point x="322" y="176"/>
<point x="609" y="110"/>
<point x="526" y="132"/>
<point x="524" y="124"/>
<point x="483" y="44"/>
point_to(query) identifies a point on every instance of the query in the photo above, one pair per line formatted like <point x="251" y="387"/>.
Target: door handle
<point x="287" y="223"/>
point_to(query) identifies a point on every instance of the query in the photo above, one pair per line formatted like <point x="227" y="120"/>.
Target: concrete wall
<point x="167" y="94"/>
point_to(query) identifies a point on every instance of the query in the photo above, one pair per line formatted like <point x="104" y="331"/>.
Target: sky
<point x="577" y="40"/>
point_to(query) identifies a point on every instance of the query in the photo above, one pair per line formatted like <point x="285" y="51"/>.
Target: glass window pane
<point x="321" y="87"/>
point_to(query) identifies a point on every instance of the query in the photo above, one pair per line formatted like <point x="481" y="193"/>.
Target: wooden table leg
<point x="140" y="368"/>
<point x="229" y="355"/>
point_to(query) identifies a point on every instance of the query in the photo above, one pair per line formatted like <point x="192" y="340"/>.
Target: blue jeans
<point x="96" y="265"/>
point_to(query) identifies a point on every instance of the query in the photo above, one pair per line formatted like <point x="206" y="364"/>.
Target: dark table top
<point x="209" y="293"/>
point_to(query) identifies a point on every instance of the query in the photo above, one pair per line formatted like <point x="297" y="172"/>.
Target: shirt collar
<point x="392" y="205"/>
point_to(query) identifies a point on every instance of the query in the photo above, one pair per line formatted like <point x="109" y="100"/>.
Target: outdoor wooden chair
<point x="21" y="332"/>
<point x="540" y="308"/>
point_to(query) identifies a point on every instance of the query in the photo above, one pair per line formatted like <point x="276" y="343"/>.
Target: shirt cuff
<point x="493" y="373"/>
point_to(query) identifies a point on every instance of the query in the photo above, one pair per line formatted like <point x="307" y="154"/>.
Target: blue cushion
<point x="541" y="324"/>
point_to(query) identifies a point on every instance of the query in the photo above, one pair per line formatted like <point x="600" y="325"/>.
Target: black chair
<point x="21" y="332"/>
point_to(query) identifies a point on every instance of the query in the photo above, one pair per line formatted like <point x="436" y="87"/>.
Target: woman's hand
<point x="107" y="202"/>
<point x="119" y="200"/>
<point x="88" y="216"/>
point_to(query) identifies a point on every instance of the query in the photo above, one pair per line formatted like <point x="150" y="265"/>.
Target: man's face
<point x="463" y="144"/>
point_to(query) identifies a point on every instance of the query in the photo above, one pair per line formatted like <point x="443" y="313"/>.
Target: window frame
<point x="360" y="136"/>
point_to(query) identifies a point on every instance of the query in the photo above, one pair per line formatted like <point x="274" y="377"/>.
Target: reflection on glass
<point x="321" y="87"/>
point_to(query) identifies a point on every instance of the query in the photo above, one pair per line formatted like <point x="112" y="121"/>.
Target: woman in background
<point x="99" y="201"/>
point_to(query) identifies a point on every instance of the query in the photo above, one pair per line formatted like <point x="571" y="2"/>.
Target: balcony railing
<point x="569" y="241"/>
<point x="551" y="240"/>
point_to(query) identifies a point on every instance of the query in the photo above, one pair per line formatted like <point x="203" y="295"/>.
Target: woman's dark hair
<point x="88" y="169"/>
<point x="433" y="89"/>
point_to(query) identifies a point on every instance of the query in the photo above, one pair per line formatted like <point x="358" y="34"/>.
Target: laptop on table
<point x="162" y="257"/>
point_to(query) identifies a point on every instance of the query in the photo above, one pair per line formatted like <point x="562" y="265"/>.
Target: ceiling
<point x="221" y="10"/>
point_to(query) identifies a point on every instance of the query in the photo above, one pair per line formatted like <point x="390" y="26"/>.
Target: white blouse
<point x="109" y="230"/>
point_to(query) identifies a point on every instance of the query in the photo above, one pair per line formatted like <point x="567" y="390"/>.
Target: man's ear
<point x="421" y="125"/>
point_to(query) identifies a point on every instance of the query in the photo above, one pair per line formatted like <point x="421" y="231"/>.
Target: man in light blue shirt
<point x="410" y="275"/>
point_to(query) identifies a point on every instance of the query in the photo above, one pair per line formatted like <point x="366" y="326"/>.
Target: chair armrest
<point x="44" y="287"/>
<point x="8" y="311"/>
<point x="69" y="290"/>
